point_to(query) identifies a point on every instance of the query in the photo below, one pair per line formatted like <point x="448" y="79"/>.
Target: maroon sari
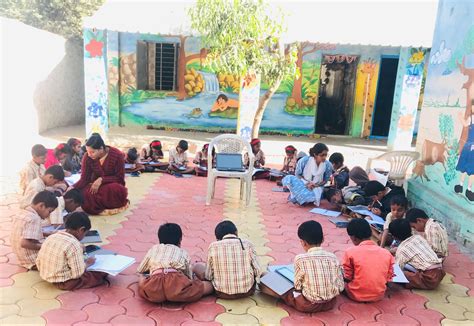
<point x="112" y="193"/>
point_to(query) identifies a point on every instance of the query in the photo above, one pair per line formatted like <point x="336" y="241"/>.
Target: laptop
<point x="229" y="162"/>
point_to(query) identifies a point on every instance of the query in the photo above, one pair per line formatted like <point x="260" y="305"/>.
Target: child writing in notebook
<point x="229" y="250"/>
<point x="179" y="159"/>
<point x="201" y="161"/>
<point x="170" y="270"/>
<point x="434" y="232"/>
<point x="367" y="267"/>
<point x="52" y="176"/>
<point x="68" y="203"/>
<point x="420" y="264"/>
<point x="131" y="162"/>
<point x="289" y="165"/>
<point x="398" y="208"/>
<point x="26" y="235"/>
<point x="381" y="197"/>
<point x="34" y="168"/>
<point x="61" y="259"/>
<point x="153" y="154"/>
<point x="259" y="162"/>
<point x="57" y="155"/>
<point x="318" y="274"/>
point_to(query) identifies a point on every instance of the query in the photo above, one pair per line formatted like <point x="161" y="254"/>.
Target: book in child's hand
<point x="111" y="264"/>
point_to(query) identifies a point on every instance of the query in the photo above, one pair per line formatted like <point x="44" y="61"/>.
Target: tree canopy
<point x="242" y="37"/>
<point x="62" y="17"/>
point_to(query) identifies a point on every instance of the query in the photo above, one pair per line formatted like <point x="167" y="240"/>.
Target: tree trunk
<point x="296" y="92"/>
<point x="181" y="69"/>
<point x="262" y="106"/>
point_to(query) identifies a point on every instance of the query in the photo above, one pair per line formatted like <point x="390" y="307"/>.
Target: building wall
<point x="446" y="133"/>
<point x="292" y="109"/>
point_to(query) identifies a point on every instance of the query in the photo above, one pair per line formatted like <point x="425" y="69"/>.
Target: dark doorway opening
<point x="384" y="99"/>
<point x="336" y="94"/>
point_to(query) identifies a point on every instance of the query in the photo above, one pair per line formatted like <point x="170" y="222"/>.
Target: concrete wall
<point x="446" y="132"/>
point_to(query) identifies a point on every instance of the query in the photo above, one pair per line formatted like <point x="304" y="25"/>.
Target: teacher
<point x="312" y="173"/>
<point x="102" y="180"/>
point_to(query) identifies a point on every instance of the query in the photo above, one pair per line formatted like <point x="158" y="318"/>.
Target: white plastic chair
<point x="230" y="144"/>
<point x="399" y="162"/>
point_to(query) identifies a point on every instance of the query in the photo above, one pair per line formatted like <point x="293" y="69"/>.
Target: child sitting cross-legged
<point x="434" y="232"/>
<point x="26" y="233"/>
<point x="52" y="176"/>
<point x="170" y="270"/>
<point x="61" y="258"/>
<point x="422" y="267"/>
<point x="367" y="267"/>
<point x="232" y="264"/>
<point x="178" y="159"/>
<point x="318" y="274"/>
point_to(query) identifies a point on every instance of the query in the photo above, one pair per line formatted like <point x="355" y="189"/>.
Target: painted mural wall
<point x="444" y="176"/>
<point x="208" y="100"/>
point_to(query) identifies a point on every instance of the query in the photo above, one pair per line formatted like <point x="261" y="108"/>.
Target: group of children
<point x="232" y="270"/>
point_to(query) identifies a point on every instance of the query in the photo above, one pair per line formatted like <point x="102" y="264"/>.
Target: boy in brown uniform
<point x="171" y="274"/>
<point x="425" y="270"/>
<point x="27" y="234"/>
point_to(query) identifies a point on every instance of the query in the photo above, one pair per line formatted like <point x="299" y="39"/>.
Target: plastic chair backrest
<point x="229" y="144"/>
<point x="399" y="162"/>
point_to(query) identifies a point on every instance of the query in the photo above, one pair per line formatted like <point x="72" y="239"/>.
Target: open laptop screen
<point x="228" y="161"/>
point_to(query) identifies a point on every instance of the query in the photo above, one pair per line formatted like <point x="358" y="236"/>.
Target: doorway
<point x="384" y="98"/>
<point x="336" y="94"/>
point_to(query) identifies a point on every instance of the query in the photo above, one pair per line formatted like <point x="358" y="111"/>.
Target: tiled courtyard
<point x="269" y="222"/>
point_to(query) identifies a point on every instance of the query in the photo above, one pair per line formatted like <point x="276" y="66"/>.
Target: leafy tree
<point x="243" y="39"/>
<point x="62" y="17"/>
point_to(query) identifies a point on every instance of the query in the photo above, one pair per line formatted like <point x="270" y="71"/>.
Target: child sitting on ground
<point x="434" y="232"/>
<point x="61" y="260"/>
<point x="131" y="162"/>
<point x="170" y="270"/>
<point x="340" y="175"/>
<point x="381" y="197"/>
<point x="68" y="203"/>
<point x="26" y="233"/>
<point x="72" y="162"/>
<point x="289" y="165"/>
<point x="232" y="264"/>
<point x="152" y="153"/>
<point x="57" y="155"/>
<point x="318" y="274"/>
<point x="179" y="159"/>
<point x="398" y="208"/>
<point x="52" y="176"/>
<point x="422" y="267"/>
<point x="34" y="168"/>
<point x="201" y="161"/>
<point x="367" y="267"/>
<point x="259" y="162"/>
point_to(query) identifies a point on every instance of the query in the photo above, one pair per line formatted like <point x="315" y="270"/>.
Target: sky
<point x="377" y="22"/>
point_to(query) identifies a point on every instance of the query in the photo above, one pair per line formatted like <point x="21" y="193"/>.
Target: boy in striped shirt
<point x="318" y="274"/>
<point x="435" y="233"/>
<point x="232" y="264"/>
<point x="422" y="267"/>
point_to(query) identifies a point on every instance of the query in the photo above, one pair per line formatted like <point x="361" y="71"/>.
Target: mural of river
<point x="170" y="112"/>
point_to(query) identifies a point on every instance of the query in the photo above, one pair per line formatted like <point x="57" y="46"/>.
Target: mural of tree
<point x="305" y="48"/>
<point x="183" y="60"/>
<point x="244" y="39"/>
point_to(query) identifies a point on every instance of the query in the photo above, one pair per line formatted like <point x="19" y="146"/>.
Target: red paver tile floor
<point x="270" y="222"/>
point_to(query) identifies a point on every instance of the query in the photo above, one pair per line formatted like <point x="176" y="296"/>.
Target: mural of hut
<point x="162" y="81"/>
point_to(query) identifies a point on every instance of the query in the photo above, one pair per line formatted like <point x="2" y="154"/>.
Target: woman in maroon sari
<point x="102" y="180"/>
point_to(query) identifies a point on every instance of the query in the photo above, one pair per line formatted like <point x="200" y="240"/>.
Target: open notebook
<point x="111" y="264"/>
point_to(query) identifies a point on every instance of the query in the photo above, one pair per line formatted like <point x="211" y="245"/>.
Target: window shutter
<point x="152" y="66"/>
<point x="142" y="65"/>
